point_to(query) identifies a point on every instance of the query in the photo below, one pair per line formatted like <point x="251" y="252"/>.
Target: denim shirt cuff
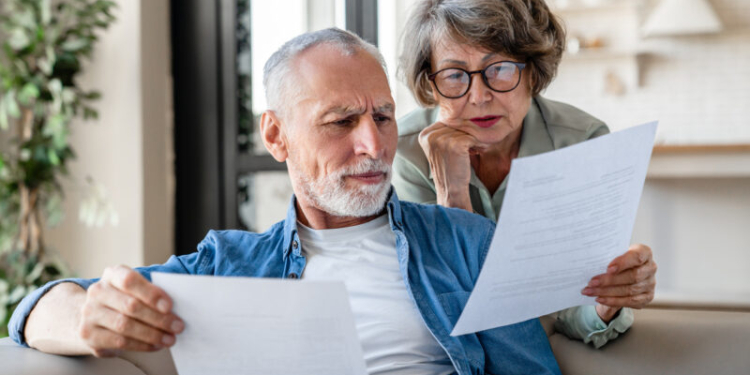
<point x="17" y="321"/>
<point x="600" y="333"/>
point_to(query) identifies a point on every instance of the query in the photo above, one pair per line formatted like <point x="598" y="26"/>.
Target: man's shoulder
<point x="456" y="218"/>
<point x="242" y="240"/>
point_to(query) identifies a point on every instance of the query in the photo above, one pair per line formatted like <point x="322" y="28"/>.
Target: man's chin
<point x="360" y="203"/>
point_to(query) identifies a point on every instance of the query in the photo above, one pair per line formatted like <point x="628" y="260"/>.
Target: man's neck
<point x="315" y="218"/>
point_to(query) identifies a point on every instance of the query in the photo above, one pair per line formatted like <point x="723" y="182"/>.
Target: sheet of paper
<point x="237" y="325"/>
<point x="566" y="214"/>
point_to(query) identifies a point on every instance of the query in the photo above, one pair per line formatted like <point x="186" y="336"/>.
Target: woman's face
<point x="483" y="113"/>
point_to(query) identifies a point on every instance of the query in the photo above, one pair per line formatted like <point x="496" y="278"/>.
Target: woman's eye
<point x="455" y="77"/>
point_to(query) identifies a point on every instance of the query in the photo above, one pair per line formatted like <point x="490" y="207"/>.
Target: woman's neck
<point x="493" y="164"/>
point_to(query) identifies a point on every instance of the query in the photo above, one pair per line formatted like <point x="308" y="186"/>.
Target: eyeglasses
<point x="454" y="83"/>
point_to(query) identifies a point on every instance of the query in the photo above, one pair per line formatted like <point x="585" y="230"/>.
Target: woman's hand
<point x="629" y="282"/>
<point x="123" y="311"/>
<point x="448" y="150"/>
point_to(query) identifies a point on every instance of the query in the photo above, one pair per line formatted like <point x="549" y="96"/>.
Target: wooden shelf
<point x="700" y="161"/>
<point x="683" y="149"/>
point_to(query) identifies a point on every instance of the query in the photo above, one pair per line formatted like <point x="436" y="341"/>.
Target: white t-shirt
<point x="395" y="339"/>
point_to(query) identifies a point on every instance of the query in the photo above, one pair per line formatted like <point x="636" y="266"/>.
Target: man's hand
<point x="125" y="312"/>
<point x="629" y="282"/>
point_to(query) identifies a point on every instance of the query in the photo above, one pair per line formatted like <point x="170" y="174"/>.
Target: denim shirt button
<point x="294" y="244"/>
<point x="292" y="275"/>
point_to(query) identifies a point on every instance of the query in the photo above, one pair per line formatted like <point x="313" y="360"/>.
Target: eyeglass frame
<point x="519" y="66"/>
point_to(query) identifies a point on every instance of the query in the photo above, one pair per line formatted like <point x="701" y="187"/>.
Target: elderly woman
<point x="478" y="66"/>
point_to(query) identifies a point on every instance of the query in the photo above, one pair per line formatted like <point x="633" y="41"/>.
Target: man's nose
<point x="368" y="138"/>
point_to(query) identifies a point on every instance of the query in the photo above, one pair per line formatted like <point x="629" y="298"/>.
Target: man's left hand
<point x="629" y="282"/>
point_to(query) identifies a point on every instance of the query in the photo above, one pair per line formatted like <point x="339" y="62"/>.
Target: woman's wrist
<point x="607" y="313"/>
<point x="456" y="198"/>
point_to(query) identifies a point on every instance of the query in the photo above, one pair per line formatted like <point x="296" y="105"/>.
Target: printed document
<point x="566" y="214"/>
<point x="238" y="325"/>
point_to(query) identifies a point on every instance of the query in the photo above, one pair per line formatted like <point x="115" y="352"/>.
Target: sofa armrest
<point x="18" y="360"/>
<point x="665" y="341"/>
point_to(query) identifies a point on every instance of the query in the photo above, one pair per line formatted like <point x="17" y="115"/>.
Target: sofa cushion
<point x="18" y="360"/>
<point x="665" y="341"/>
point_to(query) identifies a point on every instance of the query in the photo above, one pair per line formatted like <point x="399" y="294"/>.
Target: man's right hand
<point x="125" y="312"/>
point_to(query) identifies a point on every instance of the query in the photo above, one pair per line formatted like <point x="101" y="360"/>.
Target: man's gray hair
<point x="277" y="75"/>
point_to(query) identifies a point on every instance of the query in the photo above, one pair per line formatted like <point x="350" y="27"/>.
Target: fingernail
<point x="163" y="306"/>
<point x="594" y="282"/>
<point x="167" y="340"/>
<point x="586" y="291"/>
<point x="177" y="326"/>
<point x="612" y="269"/>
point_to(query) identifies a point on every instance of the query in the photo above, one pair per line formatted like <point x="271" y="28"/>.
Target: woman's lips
<point x="485" y="122"/>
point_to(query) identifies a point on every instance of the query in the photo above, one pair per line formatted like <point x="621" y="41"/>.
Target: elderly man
<point x="408" y="267"/>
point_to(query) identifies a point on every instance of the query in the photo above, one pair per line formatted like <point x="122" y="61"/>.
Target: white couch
<point x="662" y="341"/>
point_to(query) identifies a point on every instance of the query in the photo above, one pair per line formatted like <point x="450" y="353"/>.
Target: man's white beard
<point x="331" y="195"/>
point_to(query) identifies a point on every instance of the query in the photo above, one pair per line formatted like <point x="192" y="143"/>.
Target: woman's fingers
<point x="627" y="277"/>
<point x="641" y="287"/>
<point x="629" y="282"/>
<point x="637" y="301"/>
<point x="635" y="256"/>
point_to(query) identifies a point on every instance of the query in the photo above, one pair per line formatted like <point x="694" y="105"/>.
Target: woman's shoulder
<point x="564" y="120"/>
<point x="409" y="128"/>
<point x="413" y="122"/>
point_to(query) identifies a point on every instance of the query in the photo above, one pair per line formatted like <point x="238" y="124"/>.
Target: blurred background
<point x="174" y="151"/>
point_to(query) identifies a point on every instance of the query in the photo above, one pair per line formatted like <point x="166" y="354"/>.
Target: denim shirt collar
<point x="393" y="206"/>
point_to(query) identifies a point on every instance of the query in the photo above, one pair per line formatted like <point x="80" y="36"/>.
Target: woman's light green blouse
<point x="548" y="126"/>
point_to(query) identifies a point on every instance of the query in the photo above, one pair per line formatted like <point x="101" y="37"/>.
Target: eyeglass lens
<point x="502" y="76"/>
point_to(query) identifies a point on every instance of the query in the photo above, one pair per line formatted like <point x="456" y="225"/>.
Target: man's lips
<point x="485" y="122"/>
<point x="370" y="177"/>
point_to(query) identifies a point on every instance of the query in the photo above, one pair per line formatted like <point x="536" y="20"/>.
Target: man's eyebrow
<point x="341" y="110"/>
<point x="387" y="107"/>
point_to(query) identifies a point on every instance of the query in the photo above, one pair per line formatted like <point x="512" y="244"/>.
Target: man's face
<point x="341" y="134"/>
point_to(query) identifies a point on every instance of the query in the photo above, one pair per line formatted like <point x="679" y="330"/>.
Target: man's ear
<point x="273" y="136"/>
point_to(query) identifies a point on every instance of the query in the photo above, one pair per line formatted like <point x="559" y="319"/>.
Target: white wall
<point x="128" y="149"/>
<point x="697" y="86"/>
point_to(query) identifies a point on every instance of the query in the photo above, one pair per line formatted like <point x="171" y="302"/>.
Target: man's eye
<point x="381" y="119"/>
<point x="343" y="122"/>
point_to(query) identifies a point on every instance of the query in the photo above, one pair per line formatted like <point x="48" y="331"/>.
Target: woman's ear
<point x="273" y="136"/>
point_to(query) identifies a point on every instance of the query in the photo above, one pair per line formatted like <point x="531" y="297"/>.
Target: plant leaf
<point x="3" y="115"/>
<point x="52" y="156"/>
<point x="16" y="294"/>
<point x="75" y="45"/>
<point x="28" y="93"/>
<point x="10" y="104"/>
<point x="18" y="39"/>
<point x="44" y="7"/>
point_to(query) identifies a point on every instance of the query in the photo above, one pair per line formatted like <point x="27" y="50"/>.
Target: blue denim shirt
<point x="440" y="252"/>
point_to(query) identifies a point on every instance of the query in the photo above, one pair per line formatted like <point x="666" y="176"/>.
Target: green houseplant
<point x="43" y="45"/>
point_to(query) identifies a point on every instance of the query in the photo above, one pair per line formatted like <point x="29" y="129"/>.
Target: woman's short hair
<point x="522" y="29"/>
